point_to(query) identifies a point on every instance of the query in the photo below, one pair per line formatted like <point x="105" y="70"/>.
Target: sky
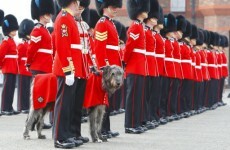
<point x="19" y="8"/>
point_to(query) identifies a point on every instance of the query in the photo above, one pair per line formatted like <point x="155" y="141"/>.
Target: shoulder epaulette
<point x="64" y="13"/>
<point x="102" y="19"/>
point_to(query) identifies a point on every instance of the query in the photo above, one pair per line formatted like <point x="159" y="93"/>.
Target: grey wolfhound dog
<point x="112" y="79"/>
<point x="35" y="118"/>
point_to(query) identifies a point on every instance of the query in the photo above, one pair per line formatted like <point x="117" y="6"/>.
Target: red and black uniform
<point x="68" y="60"/>
<point x="9" y="67"/>
<point x="135" y="60"/>
<point x="197" y="82"/>
<point x="220" y="73"/>
<point x="213" y="72"/>
<point x="107" y="52"/>
<point x="185" y="93"/>
<point x="40" y="50"/>
<point x="224" y="66"/>
<point x="152" y="81"/>
<point x="205" y="74"/>
<point x="169" y="76"/>
<point x="24" y="77"/>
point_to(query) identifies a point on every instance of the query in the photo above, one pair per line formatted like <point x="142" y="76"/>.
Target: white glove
<point x="69" y="79"/>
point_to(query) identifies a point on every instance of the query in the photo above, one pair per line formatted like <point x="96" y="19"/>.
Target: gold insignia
<point x="101" y="36"/>
<point x="64" y="30"/>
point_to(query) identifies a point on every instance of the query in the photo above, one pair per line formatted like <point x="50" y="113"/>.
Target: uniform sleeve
<point x="3" y="50"/>
<point x="132" y="35"/>
<point x="101" y="36"/>
<point x="34" y="45"/>
<point x="63" y="43"/>
<point x="53" y="42"/>
<point x="20" y="50"/>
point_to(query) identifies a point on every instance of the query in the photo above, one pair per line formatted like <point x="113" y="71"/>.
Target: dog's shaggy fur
<point x="112" y="79"/>
<point x="35" y="118"/>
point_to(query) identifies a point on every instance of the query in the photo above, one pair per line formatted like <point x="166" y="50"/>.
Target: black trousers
<point x="134" y="100"/>
<point x="166" y="87"/>
<point x="24" y="83"/>
<point x="197" y="95"/>
<point x="221" y="89"/>
<point x="8" y="89"/>
<point x="123" y="95"/>
<point x="68" y="107"/>
<point x="186" y="95"/>
<point x="212" y="92"/>
<point x="115" y="100"/>
<point x="153" y="95"/>
<point x="173" y="97"/>
<point x="203" y="90"/>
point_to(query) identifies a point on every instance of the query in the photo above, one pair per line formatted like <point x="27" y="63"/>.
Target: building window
<point x="178" y="5"/>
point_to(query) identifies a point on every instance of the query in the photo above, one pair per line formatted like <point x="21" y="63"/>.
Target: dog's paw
<point x="41" y="137"/>
<point x="26" y="137"/>
<point x="97" y="141"/>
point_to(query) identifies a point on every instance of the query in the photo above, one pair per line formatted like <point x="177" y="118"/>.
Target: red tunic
<point x="198" y="67"/>
<point x="224" y="65"/>
<point x="40" y="50"/>
<point x="186" y="61"/>
<point x="160" y="53"/>
<point x="22" y="51"/>
<point x="193" y="57"/>
<point x="68" y="47"/>
<point x="204" y="65"/>
<point x="8" y="56"/>
<point x="134" y="55"/>
<point x="150" y="53"/>
<point x="106" y="43"/>
<point x="212" y="66"/>
<point x="177" y="59"/>
<point x="169" y="61"/>
<point x="219" y="64"/>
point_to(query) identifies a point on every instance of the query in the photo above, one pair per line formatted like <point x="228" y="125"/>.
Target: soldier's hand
<point x="69" y="79"/>
<point x="27" y="67"/>
<point x="94" y="70"/>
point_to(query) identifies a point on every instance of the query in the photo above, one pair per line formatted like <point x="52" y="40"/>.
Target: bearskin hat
<point x="226" y="41"/>
<point x="169" y="23"/>
<point x="94" y="17"/>
<point x="154" y="9"/>
<point x="84" y="3"/>
<point x="200" y="38"/>
<point x="10" y="24"/>
<point x="212" y="38"/>
<point x="64" y="3"/>
<point x="57" y="9"/>
<point x="194" y="34"/>
<point x="123" y="33"/>
<point x="217" y="39"/>
<point x="41" y="7"/>
<point x="118" y="26"/>
<point x="100" y="4"/>
<point x="135" y="7"/>
<point x="205" y="35"/>
<point x="161" y="16"/>
<point x="222" y="40"/>
<point x="86" y="15"/>
<point x="1" y="17"/>
<point x="25" y="28"/>
<point x="188" y="31"/>
<point x="181" y="23"/>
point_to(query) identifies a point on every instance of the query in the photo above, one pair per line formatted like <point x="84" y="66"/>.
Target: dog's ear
<point x="106" y="70"/>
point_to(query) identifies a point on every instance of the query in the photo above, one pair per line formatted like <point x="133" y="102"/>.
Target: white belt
<point x="219" y="65"/>
<point x="11" y="56"/>
<point x="160" y="55"/>
<point x="204" y="64"/>
<point x="193" y="64"/>
<point x="169" y="59"/>
<point x="23" y="58"/>
<point x="150" y="53"/>
<point x="48" y="51"/>
<point x="76" y="46"/>
<point x="177" y="60"/>
<point x="225" y="65"/>
<point x="198" y="67"/>
<point x="186" y="61"/>
<point x="142" y="51"/>
<point x="117" y="48"/>
<point x="212" y="65"/>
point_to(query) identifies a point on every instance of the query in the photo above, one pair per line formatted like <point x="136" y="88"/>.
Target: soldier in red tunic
<point x="24" y="77"/>
<point x="152" y="80"/>
<point x="106" y="46"/>
<point x="186" y="64"/>
<point x="1" y="20"/>
<point x="9" y="64"/>
<point x="169" y="69"/>
<point x="136" y="66"/>
<point x="70" y="71"/>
